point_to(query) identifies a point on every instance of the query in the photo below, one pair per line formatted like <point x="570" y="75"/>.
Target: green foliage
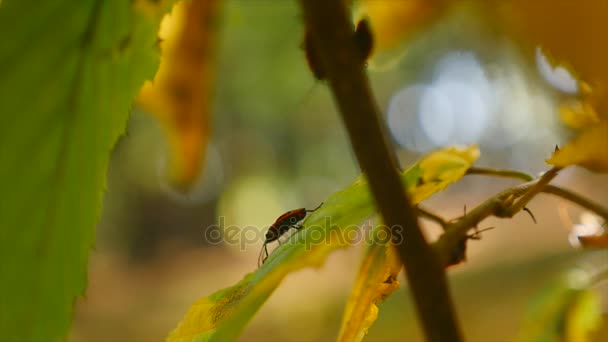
<point x="70" y="70"/>
<point x="224" y="314"/>
<point x="562" y="312"/>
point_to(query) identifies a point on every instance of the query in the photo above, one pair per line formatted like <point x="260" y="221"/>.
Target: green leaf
<point x="561" y="312"/>
<point x="223" y="315"/>
<point x="70" y="70"/>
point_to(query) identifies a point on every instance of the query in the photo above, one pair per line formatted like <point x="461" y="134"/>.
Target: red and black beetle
<point x="281" y="226"/>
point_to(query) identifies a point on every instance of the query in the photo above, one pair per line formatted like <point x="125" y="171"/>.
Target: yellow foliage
<point x="377" y="279"/>
<point x="443" y="167"/>
<point x="179" y="96"/>
<point x="584" y="317"/>
<point x="589" y="149"/>
<point x="578" y="114"/>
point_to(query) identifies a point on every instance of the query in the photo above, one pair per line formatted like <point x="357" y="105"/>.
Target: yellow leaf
<point x="179" y="97"/>
<point x="443" y="167"/>
<point x="589" y="149"/>
<point x="583" y="317"/>
<point x="578" y="114"/>
<point x="377" y="280"/>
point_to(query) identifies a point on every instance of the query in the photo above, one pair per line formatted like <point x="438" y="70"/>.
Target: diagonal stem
<point x="332" y="37"/>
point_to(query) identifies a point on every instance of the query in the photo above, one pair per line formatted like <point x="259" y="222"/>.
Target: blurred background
<point x="274" y="142"/>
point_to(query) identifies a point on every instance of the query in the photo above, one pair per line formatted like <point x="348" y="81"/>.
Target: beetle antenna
<point x="315" y="209"/>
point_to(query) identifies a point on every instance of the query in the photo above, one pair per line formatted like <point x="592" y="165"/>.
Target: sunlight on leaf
<point x="583" y="316"/>
<point x="589" y="149"/>
<point x="70" y="70"/>
<point x="578" y="114"/>
<point x="223" y="315"/>
<point x="377" y="280"/>
<point x="443" y="167"/>
<point x="179" y="96"/>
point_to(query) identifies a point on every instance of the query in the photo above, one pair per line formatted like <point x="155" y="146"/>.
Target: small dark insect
<point x="459" y="254"/>
<point x="364" y="41"/>
<point x="281" y="226"/>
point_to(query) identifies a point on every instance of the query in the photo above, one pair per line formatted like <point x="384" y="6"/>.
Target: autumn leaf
<point x="223" y="315"/>
<point x="589" y="149"/>
<point x="179" y="97"/>
<point x="441" y="168"/>
<point x="578" y="114"/>
<point x="377" y="279"/>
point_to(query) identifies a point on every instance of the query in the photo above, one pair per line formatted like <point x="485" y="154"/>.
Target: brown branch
<point x="504" y="204"/>
<point x="332" y="37"/>
<point x="549" y="189"/>
<point x="534" y="190"/>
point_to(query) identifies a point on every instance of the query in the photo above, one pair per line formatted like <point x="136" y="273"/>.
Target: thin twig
<point x="501" y="205"/>
<point x="432" y="216"/>
<point x="334" y="45"/>
<point x="505" y="204"/>
<point x="578" y="199"/>
<point x="516" y="207"/>
<point x="500" y="173"/>
<point x="549" y="189"/>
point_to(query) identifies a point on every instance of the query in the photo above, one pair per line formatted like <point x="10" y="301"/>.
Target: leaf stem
<point x="578" y="199"/>
<point x="500" y="173"/>
<point x="531" y="192"/>
<point x="549" y="189"/>
<point x="432" y="216"/>
<point x="501" y="205"/>
<point x="333" y="40"/>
